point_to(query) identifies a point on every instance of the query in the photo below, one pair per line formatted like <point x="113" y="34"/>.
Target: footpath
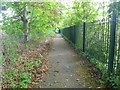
<point x="66" y="70"/>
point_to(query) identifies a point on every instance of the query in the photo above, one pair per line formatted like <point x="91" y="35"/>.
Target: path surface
<point x="65" y="68"/>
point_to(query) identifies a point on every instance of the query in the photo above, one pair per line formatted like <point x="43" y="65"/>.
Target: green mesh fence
<point x="97" y="41"/>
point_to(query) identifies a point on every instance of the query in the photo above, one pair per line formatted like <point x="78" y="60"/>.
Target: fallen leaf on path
<point x="58" y="62"/>
<point x="56" y="71"/>
<point x="77" y="79"/>
<point x="51" y="84"/>
<point x="66" y="79"/>
<point x="55" y="81"/>
<point x="71" y="75"/>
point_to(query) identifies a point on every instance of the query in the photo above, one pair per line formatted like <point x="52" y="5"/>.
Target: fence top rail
<point x="97" y="22"/>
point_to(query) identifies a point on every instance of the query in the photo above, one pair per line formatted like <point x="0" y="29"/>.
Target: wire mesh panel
<point x="97" y="41"/>
<point x="71" y="30"/>
<point x="69" y="33"/>
<point x="79" y="36"/>
<point x="117" y="50"/>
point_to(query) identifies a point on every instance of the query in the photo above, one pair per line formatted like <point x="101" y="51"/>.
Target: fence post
<point x="112" y="43"/>
<point x="75" y="35"/>
<point x="84" y="29"/>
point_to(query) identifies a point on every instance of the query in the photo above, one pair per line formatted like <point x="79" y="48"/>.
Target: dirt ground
<point x="65" y="68"/>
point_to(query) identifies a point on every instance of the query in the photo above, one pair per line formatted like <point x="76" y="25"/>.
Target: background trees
<point x="31" y="19"/>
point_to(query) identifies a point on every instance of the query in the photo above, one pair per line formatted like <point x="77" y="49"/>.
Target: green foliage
<point x="80" y="11"/>
<point x="40" y="17"/>
<point x="25" y="79"/>
<point x="40" y="20"/>
<point x="20" y="76"/>
<point x="17" y="73"/>
<point x="114" y="80"/>
<point x="11" y="49"/>
<point x="98" y="64"/>
<point x="111" y="80"/>
<point x="114" y="6"/>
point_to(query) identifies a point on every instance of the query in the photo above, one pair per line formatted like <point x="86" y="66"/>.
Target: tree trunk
<point x="25" y="24"/>
<point x="25" y="31"/>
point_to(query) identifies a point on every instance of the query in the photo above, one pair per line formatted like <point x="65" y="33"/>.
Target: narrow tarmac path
<point x="65" y="68"/>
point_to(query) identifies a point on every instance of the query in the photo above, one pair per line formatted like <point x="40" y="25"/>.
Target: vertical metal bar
<point x="108" y="36"/>
<point x="118" y="59"/>
<point x="74" y="34"/>
<point x="112" y="43"/>
<point x="84" y="24"/>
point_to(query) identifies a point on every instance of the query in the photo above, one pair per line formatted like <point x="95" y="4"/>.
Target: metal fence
<point x="96" y="40"/>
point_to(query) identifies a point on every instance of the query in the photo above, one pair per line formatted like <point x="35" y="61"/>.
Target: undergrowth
<point x="106" y="81"/>
<point x="21" y="63"/>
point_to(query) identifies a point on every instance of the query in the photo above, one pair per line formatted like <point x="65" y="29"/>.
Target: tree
<point x="33" y="18"/>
